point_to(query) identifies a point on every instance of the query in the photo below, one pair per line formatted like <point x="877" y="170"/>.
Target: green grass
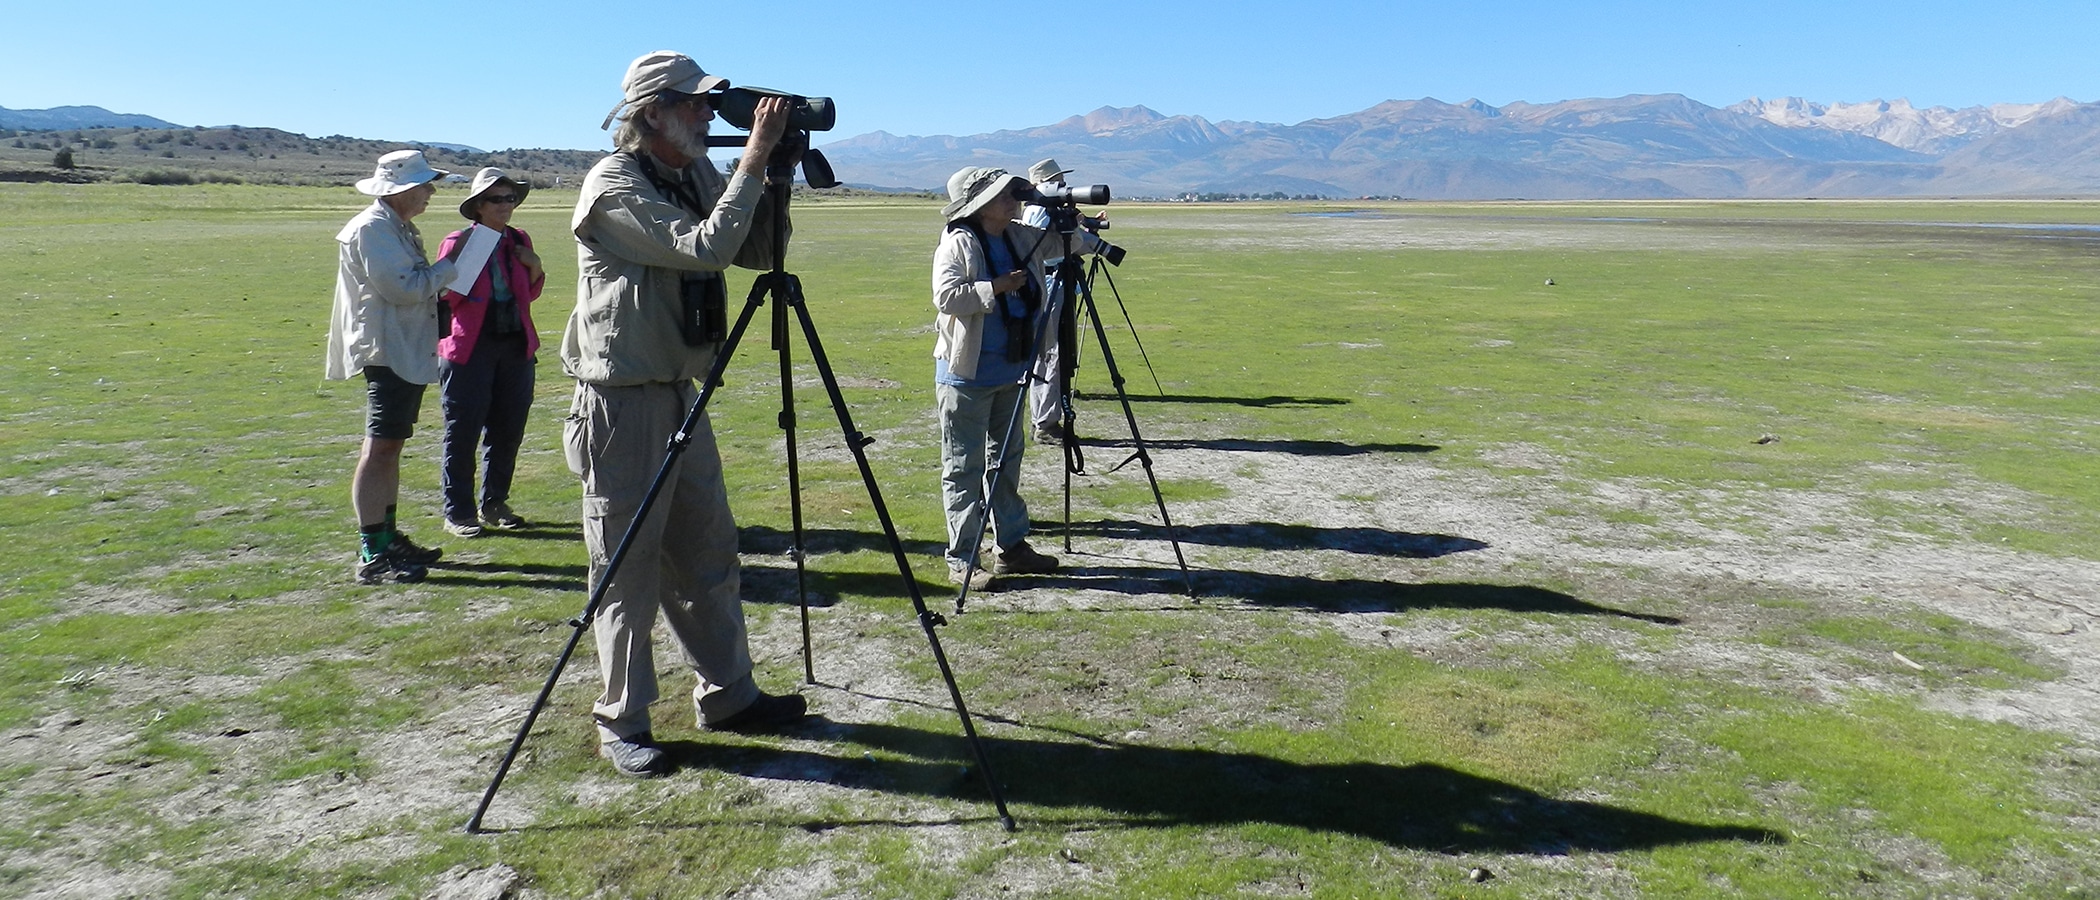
<point x="191" y="676"/>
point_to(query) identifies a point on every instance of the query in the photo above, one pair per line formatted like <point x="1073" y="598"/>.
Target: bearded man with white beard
<point x="655" y="226"/>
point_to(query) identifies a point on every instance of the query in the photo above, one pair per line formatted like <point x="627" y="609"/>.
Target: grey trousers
<point x="683" y="561"/>
<point x="974" y="421"/>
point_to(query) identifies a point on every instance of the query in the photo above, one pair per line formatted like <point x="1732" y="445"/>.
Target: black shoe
<point x="1021" y="559"/>
<point x="637" y="756"/>
<point x="769" y="712"/>
<point x="410" y="551"/>
<point x="1050" y="436"/>
<point x="389" y="565"/>
<point x="498" y="515"/>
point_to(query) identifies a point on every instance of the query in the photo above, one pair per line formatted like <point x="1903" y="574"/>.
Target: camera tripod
<point x="786" y="291"/>
<point x="1062" y="325"/>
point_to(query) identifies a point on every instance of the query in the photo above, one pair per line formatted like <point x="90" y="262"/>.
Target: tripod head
<point x="780" y="164"/>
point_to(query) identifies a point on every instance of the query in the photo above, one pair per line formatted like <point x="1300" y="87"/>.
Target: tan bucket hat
<point x="658" y="71"/>
<point x="1047" y="170"/>
<point x="398" y="171"/>
<point x="485" y="179"/>
<point x="970" y="189"/>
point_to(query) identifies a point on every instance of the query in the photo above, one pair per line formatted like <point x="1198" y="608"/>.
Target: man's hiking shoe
<point x="636" y="756"/>
<point x="768" y="713"/>
<point x="498" y="515"/>
<point x="979" y="580"/>
<point x="389" y="565"/>
<point x="1021" y="559"/>
<point x="410" y="551"/>
<point x="463" y="529"/>
<point x="1050" y="435"/>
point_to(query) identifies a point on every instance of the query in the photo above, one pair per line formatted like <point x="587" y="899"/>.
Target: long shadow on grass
<point x="538" y="531"/>
<point x="1278" y="536"/>
<point x="1421" y="806"/>
<point x="1248" y="445"/>
<point x="1326" y="594"/>
<point x="1272" y="401"/>
<point x="497" y="575"/>
<point x="767" y="539"/>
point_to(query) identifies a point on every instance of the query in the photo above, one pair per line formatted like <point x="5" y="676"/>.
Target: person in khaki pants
<point x="655" y="225"/>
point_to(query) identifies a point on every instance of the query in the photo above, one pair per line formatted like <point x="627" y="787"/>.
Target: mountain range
<point x="1638" y="146"/>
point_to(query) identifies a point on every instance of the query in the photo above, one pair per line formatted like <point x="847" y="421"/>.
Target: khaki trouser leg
<point x="682" y="561"/>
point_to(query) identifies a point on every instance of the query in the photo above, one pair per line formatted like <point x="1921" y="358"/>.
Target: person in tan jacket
<point x="655" y="225"/>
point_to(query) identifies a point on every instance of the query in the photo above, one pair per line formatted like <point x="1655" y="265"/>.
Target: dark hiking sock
<point x="372" y="540"/>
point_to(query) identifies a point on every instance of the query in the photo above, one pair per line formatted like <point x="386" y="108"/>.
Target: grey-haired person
<point x="1046" y="379"/>
<point x="655" y="225"/>
<point x="988" y="294"/>
<point x="384" y="326"/>
<point x="487" y="360"/>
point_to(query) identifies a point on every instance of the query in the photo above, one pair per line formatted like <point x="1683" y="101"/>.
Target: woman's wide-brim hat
<point x="398" y="171"/>
<point x="970" y="189"/>
<point x="483" y="180"/>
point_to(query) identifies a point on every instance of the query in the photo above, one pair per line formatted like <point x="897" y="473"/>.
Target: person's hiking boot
<point x="1051" y="435"/>
<point x="412" y="551"/>
<point x="636" y="756"/>
<point x="1021" y="559"/>
<point x="466" y="529"/>
<point x="980" y="579"/>
<point x="388" y="565"/>
<point x="498" y="515"/>
<point x="768" y="713"/>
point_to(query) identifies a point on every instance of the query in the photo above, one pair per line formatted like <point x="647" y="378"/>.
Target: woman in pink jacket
<point x="485" y="372"/>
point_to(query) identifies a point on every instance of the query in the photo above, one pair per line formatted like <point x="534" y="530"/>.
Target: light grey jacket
<point x="386" y="289"/>
<point x="962" y="287"/>
<point x="632" y="243"/>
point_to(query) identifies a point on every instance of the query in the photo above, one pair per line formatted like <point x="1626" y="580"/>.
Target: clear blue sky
<point x="537" y="74"/>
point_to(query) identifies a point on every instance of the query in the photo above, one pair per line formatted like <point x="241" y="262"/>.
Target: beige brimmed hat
<point x="659" y="71"/>
<point x="1047" y="170"/>
<point x="970" y="189"/>
<point x="398" y="171"/>
<point x="485" y="179"/>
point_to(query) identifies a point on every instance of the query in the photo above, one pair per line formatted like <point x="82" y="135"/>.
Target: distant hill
<point x="1639" y="146"/>
<point x="76" y="117"/>
<point x="254" y="155"/>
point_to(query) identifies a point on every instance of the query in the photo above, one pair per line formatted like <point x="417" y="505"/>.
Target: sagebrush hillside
<point x="245" y="155"/>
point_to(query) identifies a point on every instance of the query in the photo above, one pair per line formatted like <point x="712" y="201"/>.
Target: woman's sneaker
<point x="389" y="565"/>
<point x="413" y="552"/>
<point x="498" y="515"/>
<point x="463" y="529"/>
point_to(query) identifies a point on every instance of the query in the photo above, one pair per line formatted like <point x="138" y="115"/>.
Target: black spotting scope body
<point x="739" y="106"/>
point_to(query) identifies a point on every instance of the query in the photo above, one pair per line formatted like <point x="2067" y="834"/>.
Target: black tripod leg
<point x="1143" y="456"/>
<point x="1140" y="342"/>
<point x="676" y="446"/>
<point x="787" y="427"/>
<point x="858" y="443"/>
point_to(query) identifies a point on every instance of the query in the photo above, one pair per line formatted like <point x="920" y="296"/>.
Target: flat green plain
<point x="1540" y="549"/>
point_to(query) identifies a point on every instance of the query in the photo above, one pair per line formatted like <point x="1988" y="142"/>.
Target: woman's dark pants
<point x="491" y="392"/>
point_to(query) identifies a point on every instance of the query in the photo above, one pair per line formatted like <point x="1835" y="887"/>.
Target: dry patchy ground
<point x="1372" y="517"/>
